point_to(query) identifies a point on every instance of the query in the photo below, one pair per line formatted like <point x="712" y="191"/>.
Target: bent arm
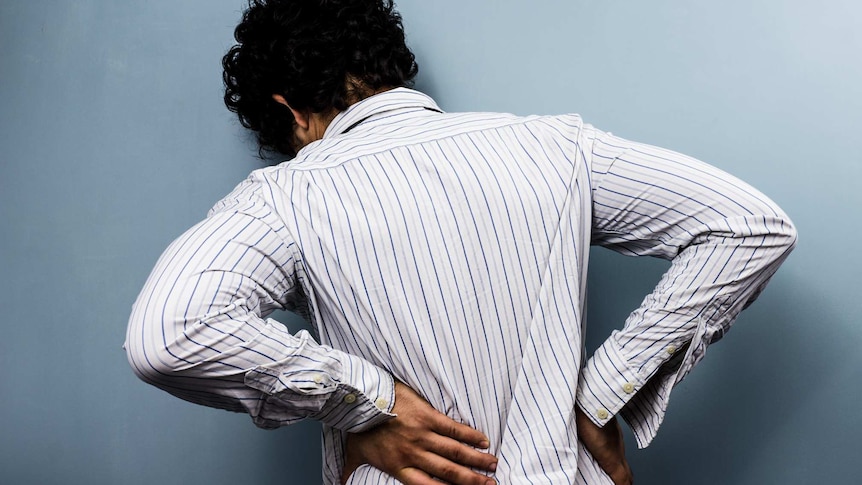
<point x="198" y="329"/>
<point x="725" y="240"/>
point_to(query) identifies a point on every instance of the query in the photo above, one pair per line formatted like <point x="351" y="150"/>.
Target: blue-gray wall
<point x="113" y="140"/>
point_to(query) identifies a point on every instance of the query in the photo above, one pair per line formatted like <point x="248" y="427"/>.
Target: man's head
<point x="310" y="57"/>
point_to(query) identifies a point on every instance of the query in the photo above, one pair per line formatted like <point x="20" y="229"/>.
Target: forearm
<point x="693" y="305"/>
<point x="725" y="241"/>
<point x="275" y="377"/>
<point x="197" y="331"/>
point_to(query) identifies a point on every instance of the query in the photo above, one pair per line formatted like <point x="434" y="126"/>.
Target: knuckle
<point x="457" y="454"/>
<point x="448" y="473"/>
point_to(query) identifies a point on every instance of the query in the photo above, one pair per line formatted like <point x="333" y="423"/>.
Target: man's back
<point x="450" y="250"/>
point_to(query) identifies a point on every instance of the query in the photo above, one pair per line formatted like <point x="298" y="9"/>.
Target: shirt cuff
<point x="339" y="389"/>
<point x="362" y="400"/>
<point x="607" y="383"/>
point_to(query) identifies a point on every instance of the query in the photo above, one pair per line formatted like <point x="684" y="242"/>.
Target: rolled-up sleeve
<point x="199" y="328"/>
<point x="724" y="239"/>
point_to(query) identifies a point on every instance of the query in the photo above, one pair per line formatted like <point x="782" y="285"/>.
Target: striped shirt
<point x="449" y="251"/>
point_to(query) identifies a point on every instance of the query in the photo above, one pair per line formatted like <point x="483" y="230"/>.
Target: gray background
<point x="113" y="140"/>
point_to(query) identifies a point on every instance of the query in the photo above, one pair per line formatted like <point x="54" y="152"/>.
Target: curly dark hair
<point x="318" y="54"/>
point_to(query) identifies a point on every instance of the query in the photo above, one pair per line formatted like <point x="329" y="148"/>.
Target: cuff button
<point x="350" y="398"/>
<point x="602" y="414"/>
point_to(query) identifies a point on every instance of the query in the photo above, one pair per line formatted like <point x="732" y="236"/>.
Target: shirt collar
<point x="393" y="99"/>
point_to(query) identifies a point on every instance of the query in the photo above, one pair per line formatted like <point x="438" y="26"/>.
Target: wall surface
<point x="113" y="140"/>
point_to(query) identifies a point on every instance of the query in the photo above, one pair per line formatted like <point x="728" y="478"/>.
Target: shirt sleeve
<point x="725" y="240"/>
<point x="198" y="328"/>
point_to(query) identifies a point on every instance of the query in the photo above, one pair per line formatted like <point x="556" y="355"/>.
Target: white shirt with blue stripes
<point x="449" y="251"/>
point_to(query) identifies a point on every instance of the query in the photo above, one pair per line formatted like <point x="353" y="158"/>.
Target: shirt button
<point x="602" y="414"/>
<point x="350" y="398"/>
<point x="628" y="387"/>
<point x="318" y="379"/>
<point x="381" y="404"/>
<point x="671" y="349"/>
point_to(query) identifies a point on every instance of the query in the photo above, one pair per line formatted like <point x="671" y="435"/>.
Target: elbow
<point x="158" y="361"/>
<point x="149" y="352"/>
<point x="771" y="239"/>
<point x="786" y="234"/>
<point x="771" y="227"/>
<point x="166" y="353"/>
<point x="147" y="361"/>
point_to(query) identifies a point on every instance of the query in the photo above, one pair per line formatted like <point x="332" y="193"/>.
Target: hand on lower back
<point x="421" y="445"/>
<point x="607" y="447"/>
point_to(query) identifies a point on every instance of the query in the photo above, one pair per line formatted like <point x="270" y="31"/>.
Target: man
<point x="442" y="259"/>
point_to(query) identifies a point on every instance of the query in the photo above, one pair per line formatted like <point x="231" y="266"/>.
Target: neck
<point x="357" y="90"/>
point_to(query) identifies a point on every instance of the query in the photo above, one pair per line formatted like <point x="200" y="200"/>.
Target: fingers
<point x="458" y="442"/>
<point x="450" y="472"/>
<point x="462" y="454"/>
<point x="446" y="426"/>
<point x="434" y="446"/>
<point x="415" y="476"/>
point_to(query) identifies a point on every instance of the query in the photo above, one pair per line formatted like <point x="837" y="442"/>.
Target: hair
<point x="319" y="54"/>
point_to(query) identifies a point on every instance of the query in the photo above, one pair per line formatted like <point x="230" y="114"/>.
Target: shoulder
<point x="252" y="194"/>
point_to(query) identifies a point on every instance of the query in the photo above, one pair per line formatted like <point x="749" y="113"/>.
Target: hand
<point x="419" y="445"/>
<point x="607" y="447"/>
